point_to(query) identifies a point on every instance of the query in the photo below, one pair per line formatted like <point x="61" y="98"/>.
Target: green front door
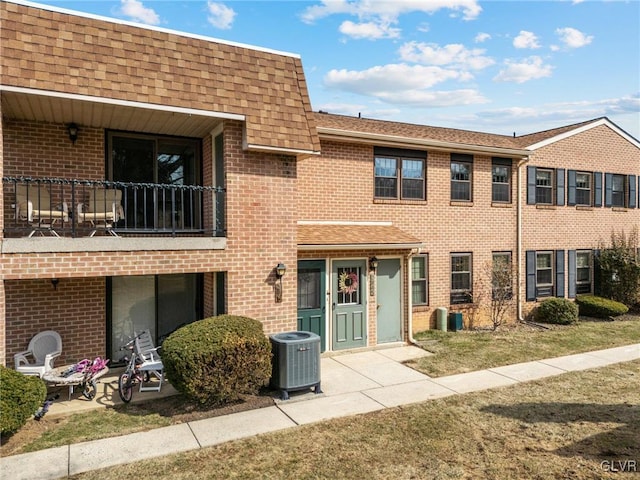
<point x="349" y="304"/>
<point x="312" y="298"/>
<point x="389" y="324"/>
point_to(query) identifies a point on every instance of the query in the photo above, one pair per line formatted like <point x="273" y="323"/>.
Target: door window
<point x="309" y="294"/>
<point x="349" y="286"/>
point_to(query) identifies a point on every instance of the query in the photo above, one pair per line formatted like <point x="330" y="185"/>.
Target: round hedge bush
<point x="219" y="359"/>
<point x="558" y="311"/>
<point x="598" y="307"/>
<point x="20" y="398"/>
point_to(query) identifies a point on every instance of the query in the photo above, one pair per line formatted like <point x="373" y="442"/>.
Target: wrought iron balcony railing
<point x="75" y="208"/>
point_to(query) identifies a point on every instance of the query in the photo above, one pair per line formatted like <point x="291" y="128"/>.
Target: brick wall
<point x="261" y="225"/>
<point x="76" y="310"/>
<point x="479" y="227"/>
<point x="599" y="149"/>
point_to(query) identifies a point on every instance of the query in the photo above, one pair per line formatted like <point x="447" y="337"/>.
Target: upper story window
<point x="399" y="174"/>
<point x="620" y="190"/>
<point x="461" y="177"/>
<point x="501" y="180"/>
<point x="544" y="186"/>
<point x="583" y="188"/>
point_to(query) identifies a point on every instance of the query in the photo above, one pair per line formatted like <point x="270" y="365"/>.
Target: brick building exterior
<point x="378" y="223"/>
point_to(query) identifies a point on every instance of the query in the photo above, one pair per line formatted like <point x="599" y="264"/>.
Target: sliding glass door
<point x="158" y="303"/>
<point x="169" y="161"/>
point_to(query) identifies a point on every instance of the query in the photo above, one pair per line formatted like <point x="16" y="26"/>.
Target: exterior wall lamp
<point x="55" y="282"/>
<point x="373" y="263"/>
<point x="73" y="129"/>
<point x="280" y="269"/>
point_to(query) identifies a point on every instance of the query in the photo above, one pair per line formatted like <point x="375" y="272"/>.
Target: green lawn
<point x="465" y="351"/>
<point x="559" y="427"/>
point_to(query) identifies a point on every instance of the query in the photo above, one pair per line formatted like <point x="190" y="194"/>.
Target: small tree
<point x="501" y="273"/>
<point x="619" y="268"/>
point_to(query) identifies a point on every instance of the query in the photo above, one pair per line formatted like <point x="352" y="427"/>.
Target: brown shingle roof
<point x="408" y="130"/>
<point x="533" y="138"/>
<point x="54" y="51"/>
<point x="354" y="236"/>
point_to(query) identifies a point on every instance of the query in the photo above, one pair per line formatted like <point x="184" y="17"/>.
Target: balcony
<point x="55" y="214"/>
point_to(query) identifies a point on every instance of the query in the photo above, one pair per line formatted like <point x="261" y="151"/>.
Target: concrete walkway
<point x="352" y="383"/>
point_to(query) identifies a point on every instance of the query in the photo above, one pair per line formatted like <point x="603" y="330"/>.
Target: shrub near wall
<point x="219" y="359"/>
<point x="557" y="310"/>
<point x="20" y="397"/>
<point x="598" y="307"/>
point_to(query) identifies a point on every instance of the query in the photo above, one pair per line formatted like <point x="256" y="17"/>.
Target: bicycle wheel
<point x="125" y="387"/>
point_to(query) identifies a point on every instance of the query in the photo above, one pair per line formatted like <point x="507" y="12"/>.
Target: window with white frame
<point x="399" y="173"/>
<point x="501" y="181"/>
<point x="544" y="274"/>
<point x="617" y="191"/>
<point x="583" y="271"/>
<point x="501" y="275"/>
<point x="461" y="177"/>
<point x="461" y="278"/>
<point x="583" y="188"/>
<point x="544" y="186"/>
<point x="419" y="277"/>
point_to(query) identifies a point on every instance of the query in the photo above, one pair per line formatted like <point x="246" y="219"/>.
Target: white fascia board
<point x="122" y="103"/>
<point x="150" y="27"/>
<point x="288" y="151"/>
<point x="584" y="128"/>
<point x="409" y="142"/>
<point x="333" y="222"/>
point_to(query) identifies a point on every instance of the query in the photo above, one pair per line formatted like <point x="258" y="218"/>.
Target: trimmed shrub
<point x="598" y="307"/>
<point x="219" y="359"/>
<point x="20" y="398"/>
<point x="557" y="310"/>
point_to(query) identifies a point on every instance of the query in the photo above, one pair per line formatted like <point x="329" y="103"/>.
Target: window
<point x="461" y="175"/>
<point x="309" y="291"/>
<point x="501" y="280"/>
<point x="583" y="272"/>
<point x="544" y="186"/>
<point x="544" y="274"/>
<point x="583" y="188"/>
<point x="461" y="290"/>
<point x="501" y="180"/>
<point x="617" y="191"/>
<point x="399" y="173"/>
<point x="419" y="290"/>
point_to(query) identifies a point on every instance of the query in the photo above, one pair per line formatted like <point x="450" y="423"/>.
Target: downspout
<point x="519" y="238"/>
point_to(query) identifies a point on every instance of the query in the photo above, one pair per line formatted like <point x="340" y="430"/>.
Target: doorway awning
<point x="354" y="236"/>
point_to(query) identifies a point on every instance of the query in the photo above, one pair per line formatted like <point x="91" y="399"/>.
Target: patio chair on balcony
<point x="42" y="351"/>
<point x="103" y="209"/>
<point x="33" y="205"/>
<point x="152" y="364"/>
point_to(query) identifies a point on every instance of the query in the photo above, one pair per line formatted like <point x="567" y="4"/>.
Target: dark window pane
<point x="386" y="187"/>
<point x="309" y="288"/>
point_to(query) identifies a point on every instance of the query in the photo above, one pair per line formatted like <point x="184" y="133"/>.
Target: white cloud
<point x="220" y="16"/>
<point x="452" y="54"/>
<point x="482" y="37"/>
<point x="573" y="38"/>
<point x="526" y="40"/>
<point x="386" y="12"/>
<point x="136" y="11"/>
<point x="369" y="30"/>
<point x="402" y="84"/>
<point x="528" y="69"/>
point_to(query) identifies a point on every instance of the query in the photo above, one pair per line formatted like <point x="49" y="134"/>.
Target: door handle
<point x="333" y="306"/>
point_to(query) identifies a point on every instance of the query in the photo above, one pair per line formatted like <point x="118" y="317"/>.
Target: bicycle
<point x="132" y="374"/>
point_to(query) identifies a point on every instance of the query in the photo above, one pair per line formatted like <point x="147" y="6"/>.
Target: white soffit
<point x="99" y="112"/>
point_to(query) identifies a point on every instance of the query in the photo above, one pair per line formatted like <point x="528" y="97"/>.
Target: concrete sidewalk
<point x="352" y="384"/>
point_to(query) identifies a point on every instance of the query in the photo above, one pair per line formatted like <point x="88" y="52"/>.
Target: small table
<point x="87" y="380"/>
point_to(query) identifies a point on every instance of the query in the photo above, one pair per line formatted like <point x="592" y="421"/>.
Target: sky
<point x="502" y="67"/>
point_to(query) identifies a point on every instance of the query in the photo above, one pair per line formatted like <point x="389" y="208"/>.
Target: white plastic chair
<point x="152" y="364"/>
<point x="43" y="348"/>
<point x="33" y="205"/>
<point x="103" y="209"/>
